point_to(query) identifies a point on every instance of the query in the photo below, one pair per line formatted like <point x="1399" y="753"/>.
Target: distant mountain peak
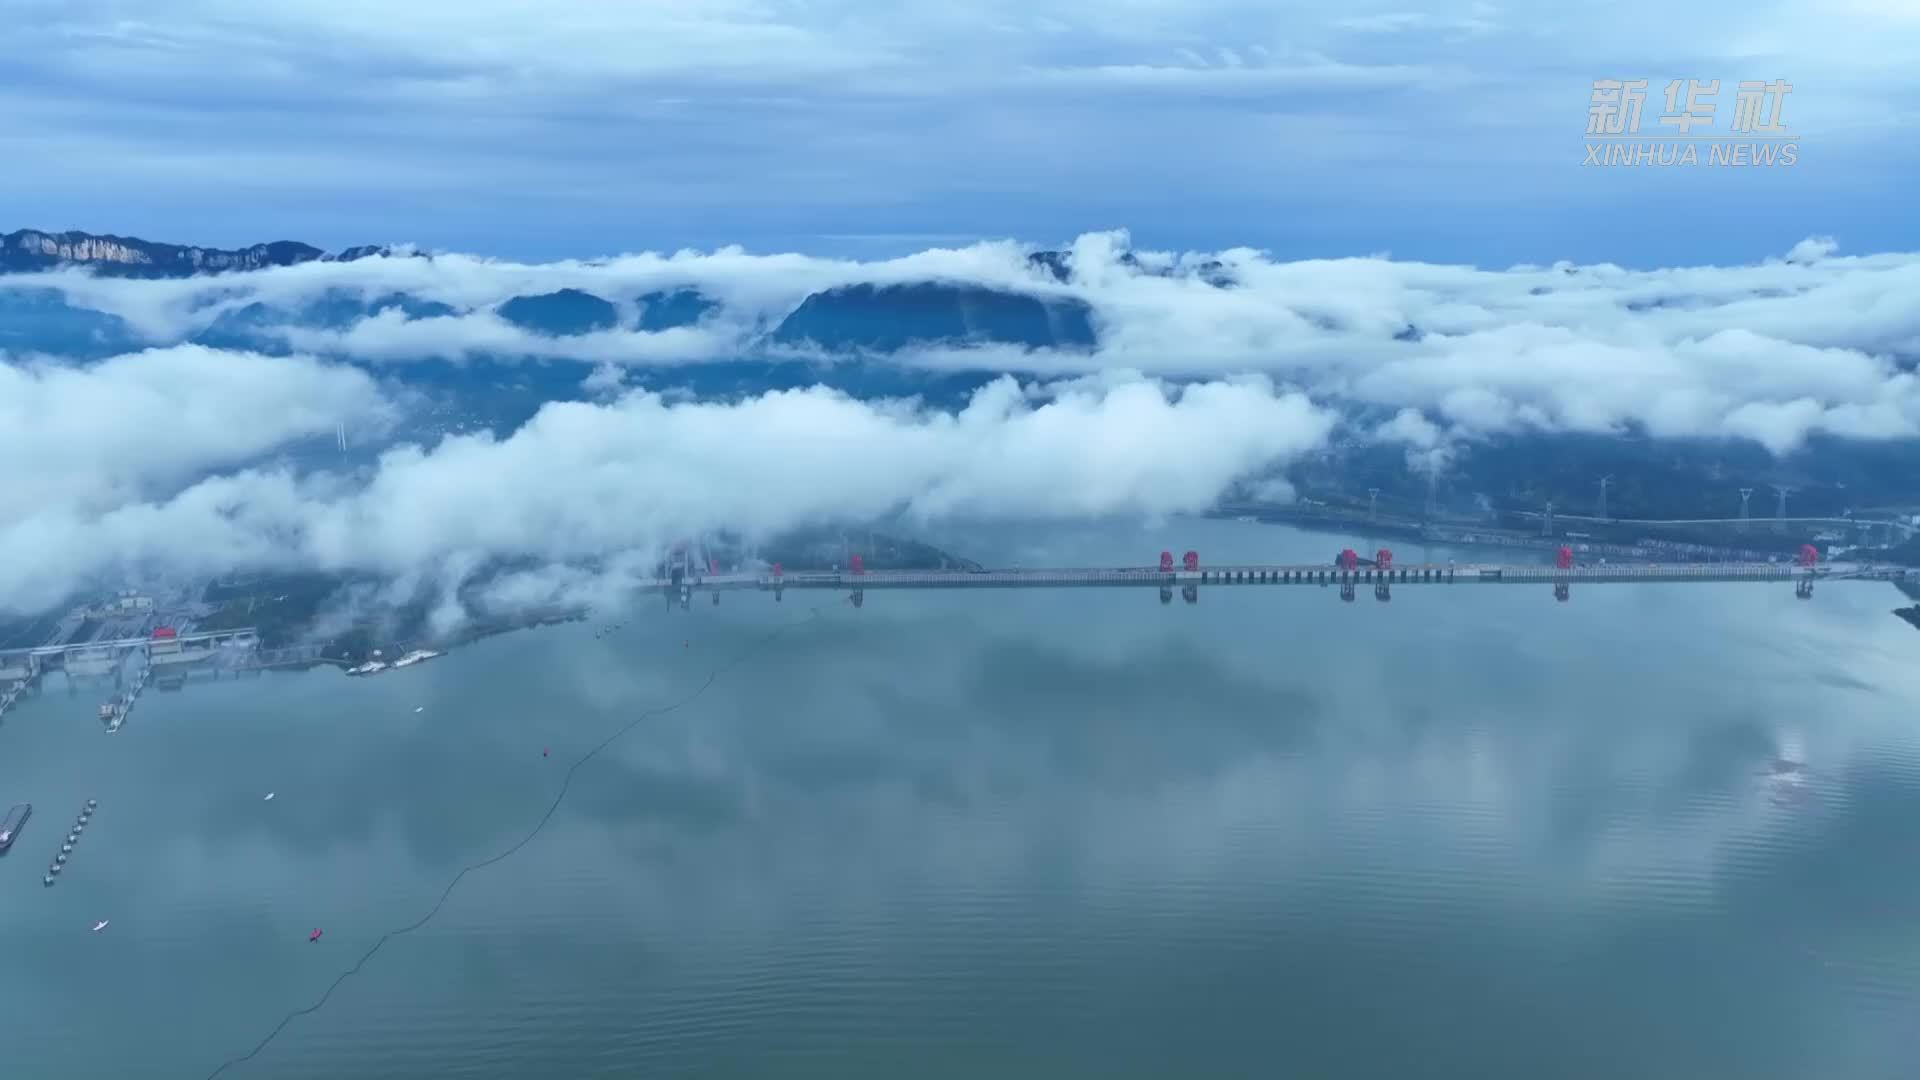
<point x="563" y="313"/>
<point x="865" y="317"/>
<point x="1058" y="265"/>
<point x="129" y="256"/>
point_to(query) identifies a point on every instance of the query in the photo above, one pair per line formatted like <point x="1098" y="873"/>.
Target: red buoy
<point x="543" y="751"/>
<point x="315" y="936"/>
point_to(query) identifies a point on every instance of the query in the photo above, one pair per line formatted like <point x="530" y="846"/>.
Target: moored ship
<point x="10" y="825"/>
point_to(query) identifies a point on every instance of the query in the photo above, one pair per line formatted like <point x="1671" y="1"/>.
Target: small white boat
<point x="99" y="926"/>
<point x="419" y="708"/>
<point x="269" y="797"/>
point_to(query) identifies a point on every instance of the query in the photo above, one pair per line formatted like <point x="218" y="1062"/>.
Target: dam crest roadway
<point x="1347" y="573"/>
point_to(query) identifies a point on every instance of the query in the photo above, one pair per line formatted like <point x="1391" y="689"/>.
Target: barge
<point x="10" y="826"/>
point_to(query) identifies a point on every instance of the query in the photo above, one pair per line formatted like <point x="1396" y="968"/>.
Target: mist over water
<point x="1471" y="832"/>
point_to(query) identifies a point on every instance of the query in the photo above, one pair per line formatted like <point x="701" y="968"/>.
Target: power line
<point x="540" y="825"/>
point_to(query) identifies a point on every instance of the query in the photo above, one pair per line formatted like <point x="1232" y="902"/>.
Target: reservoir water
<point x="1658" y="832"/>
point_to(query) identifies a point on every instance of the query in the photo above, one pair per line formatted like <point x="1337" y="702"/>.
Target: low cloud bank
<point x="1209" y="371"/>
<point x="93" y="439"/>
<point x="585" y="481"/>
<point x="1808" y="344"/>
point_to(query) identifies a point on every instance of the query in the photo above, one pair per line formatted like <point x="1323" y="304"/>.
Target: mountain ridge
<point x="130" y="256"/>
<point x="844" y="335"/>
<point x="856" y="317"/>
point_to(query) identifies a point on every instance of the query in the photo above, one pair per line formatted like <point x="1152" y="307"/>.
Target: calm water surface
<point x="1470" y="833"/>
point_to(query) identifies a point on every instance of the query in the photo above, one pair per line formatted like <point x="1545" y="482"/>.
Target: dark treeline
<point x="1663" y="478"/>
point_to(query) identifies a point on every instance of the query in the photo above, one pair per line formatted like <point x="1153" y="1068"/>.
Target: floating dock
<point x="59" y="862"/>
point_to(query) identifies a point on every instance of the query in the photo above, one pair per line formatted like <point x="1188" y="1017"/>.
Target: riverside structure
<point x="1347" y="572"/>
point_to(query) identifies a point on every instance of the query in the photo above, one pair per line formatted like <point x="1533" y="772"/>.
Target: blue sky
<point x="1448" y="131"/>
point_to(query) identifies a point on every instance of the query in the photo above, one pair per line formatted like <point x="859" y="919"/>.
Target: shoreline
<point x="446" y="645"/>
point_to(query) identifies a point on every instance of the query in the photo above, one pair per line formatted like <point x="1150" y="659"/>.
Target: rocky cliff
<point x="126" y="256"/>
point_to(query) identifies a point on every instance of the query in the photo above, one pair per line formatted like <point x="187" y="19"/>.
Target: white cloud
<point x="604" y="379"/>
<point x="1478" y="20"/>
<point x="1429" y="448"/>
<point x="1813" y="249"/>
<point x="1231" y="77"/>
<point x="584" y="480"/>
<point x="1776" y="352"/>
<point x="390" y="335"/>
<point x="438" y="53"/>
<point x="135" y="427"/>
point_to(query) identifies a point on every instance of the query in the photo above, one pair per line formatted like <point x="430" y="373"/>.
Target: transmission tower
<point x="1745" y="494"/>
<point x="1546" y="520"/>
<point x="1780" y="507"/>
<point x="1373" y="501"/>
<point x="1605" y="482"/>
